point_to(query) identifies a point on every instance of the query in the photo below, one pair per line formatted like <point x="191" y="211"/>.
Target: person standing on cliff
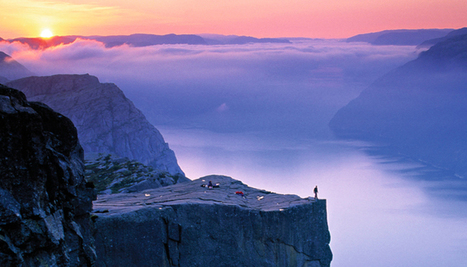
<point x="316" y="192"/>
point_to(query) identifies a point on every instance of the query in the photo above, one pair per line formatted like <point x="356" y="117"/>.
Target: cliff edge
<point x="230" y="225"/>
<point x="45" y="202"/>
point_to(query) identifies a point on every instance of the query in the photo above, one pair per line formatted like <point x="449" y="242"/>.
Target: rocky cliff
<point x="418" y="109"/>
<point x="45" y="202"/>
<point x="106" y="120"/>
<point x="191" y="225"/>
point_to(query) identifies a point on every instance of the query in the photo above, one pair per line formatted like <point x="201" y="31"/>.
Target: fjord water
<point x="260" y="112"/>
<point x="380" y="213"/>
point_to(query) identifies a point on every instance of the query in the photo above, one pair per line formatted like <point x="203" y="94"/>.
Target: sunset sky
<point x="260" y="18"/>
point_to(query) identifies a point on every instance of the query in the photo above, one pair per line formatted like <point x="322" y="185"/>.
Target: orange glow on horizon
<point x="259" y="18"/>
<point x="46" y="33"/>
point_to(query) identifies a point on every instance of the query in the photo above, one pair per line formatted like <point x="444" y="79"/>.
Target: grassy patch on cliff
<point x="112" y="175"/>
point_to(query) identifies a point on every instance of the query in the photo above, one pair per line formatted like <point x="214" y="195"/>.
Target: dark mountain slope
<point x="454" y="33"/>
<point x="10" y="69"/>
<point x="419" y="109"/>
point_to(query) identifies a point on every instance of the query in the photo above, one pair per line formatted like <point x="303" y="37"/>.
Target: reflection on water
<point x="437" y="181"/>
<point x="382" y="211"/>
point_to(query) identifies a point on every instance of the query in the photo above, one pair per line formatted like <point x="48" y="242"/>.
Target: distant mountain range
<point x="141" y="40"/>
<point x="218" y="39"/>
<point x="400" y="37"/>
<point x="424" y="37"/>
<point x="418" y="110"/>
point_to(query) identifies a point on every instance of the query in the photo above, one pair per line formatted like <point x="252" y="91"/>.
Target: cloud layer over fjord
<point x="227" y="87"/>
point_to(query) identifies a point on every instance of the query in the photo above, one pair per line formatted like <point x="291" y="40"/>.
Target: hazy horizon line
<point x="227" y="34"/>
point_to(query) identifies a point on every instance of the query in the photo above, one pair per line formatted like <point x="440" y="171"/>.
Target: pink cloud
<point x="222" y="108"/>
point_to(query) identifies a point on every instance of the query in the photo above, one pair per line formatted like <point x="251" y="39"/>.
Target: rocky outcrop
<point x="418" y="110"/>
<point x="45" y="202"/>
<point x="191" y="225"/>
<point x="106" y="120"/>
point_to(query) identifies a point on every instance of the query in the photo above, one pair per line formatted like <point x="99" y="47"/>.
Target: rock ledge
<point x="190" y="225"/>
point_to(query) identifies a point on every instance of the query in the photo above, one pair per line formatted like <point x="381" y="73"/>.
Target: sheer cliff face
<point x="45" y="202"/>
<point x="190" y="225"/>
<point x="106" y="120"/>
<point x="418" y="109"/>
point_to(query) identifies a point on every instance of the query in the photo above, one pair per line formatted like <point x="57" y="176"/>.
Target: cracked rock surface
<point x="45" y="202"/>
<point x="190" y="225"/>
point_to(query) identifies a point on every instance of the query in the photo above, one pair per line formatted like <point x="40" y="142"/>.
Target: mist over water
<point x="259" y="114"/>
<point x="229" y="88"/>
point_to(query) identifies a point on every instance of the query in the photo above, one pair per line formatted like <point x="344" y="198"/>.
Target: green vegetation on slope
<point x="114" y="175"/>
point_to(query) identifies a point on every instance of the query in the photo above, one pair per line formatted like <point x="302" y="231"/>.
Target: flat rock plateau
<point x="189" y="224"/>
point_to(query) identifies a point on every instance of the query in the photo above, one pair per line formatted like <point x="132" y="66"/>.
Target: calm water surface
<point x="381" y="212"/>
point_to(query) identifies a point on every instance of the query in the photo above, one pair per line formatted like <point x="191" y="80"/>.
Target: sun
<point x="46" y="33"/>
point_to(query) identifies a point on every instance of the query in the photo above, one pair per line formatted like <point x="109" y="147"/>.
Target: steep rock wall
<point x="188" y="225"/>
<point x="106" y="120"/>
<point x="45" y="202"/>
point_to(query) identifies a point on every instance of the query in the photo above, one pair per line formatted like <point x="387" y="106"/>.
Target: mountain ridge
<point x="399" y="37"/>
<point x="430" y="42"/>
<point x="142" y="40"/>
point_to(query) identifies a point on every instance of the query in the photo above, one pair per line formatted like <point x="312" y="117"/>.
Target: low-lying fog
<point x="259" y="113"/>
